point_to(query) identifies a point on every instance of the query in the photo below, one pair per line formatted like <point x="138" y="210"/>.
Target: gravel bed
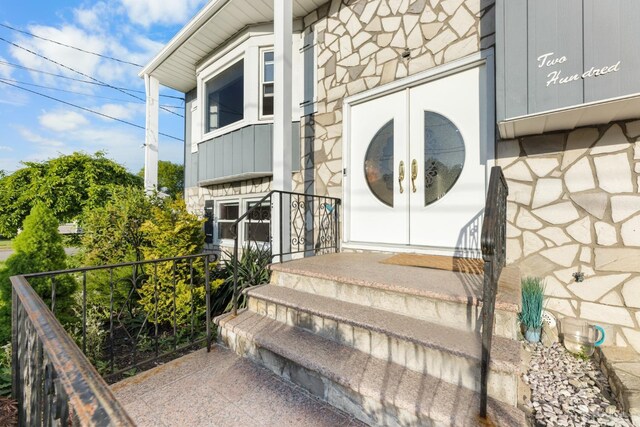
<point x="568" y="391"/>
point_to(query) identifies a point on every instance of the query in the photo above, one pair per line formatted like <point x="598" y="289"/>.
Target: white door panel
<point x="436" y="130"/>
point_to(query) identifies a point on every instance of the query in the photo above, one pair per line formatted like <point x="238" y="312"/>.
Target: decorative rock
<point x="617" y="259"/>
<point x="531" y="243"/>
<point x="462" y="21"/>
<point x="579" y="177"/>
<point x="622" y="207"/>
<point x="518" y="172"/>
<point x="577" y="144"/>
<point x="514" y="250"/>
<point x="613" y="140"/>
<point x="527" y="221"/>
<point x="633" y="129"/>
<point x="562" y="306"/>
<point x="612" y="298"/>
<point x="594" y="288"/>
<point x="585" y="254"/>
<point x="581" y="230"/>
<point x="630" y="232"/>
<point x="542" y="167"/>
<point x="631" y="293"/>
<point x="442" y="40"/>
<point x="543" y="144"/>
<point x="553" y="288"/>
<point x="562" y="255"/>
<point x="555" y="234"/>
<point x="560" y="213"/>
<point x="507" y="151"/>
<point x="594" y="203"/>
<point x="546" y="191"/>
<point x="450" y="6"/>
<point x="461" y="48"/>
<point x="605" y="234"/>
<point x="606" y="314"/>
<point x="519" y="193"/>
<point x="614" y="173"/>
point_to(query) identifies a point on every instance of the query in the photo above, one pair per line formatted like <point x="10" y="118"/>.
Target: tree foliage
<point x="67" y="185"/>
<point x="111" y="233"/>
<point x="172" y="232"/>
<point x="170" y="177"/>
<point x="38" y="248"/>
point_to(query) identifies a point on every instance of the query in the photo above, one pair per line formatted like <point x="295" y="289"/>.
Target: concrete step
<point x="376" y="392"/>
<point x="443" y="352"/>
<point x="443" y="297"/>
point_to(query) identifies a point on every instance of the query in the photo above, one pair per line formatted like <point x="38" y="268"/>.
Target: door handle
<point x="414" y="174"/>
<point x="401" y="176"/>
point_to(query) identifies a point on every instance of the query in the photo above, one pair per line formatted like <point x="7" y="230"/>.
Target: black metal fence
<point x="52" y="380"/>
<point x="308" y="225"/>
<point x="131" y="316"/>
<point x="494" y="248"/>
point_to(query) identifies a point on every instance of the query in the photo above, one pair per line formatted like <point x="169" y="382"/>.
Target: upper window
<point x="225" y="97"/>
<point x="266" y="83"/>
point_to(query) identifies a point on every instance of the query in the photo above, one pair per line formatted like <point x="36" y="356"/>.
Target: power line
<point x="81" y="73"/>
<point x="79" y="93"/>
<point x="71" y="47"/>
<point x="10" y="64"/>
<point x="87" y="109"/>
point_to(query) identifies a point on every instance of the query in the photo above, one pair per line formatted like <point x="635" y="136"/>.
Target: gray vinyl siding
<point x="243" y="151"/>
<point x="589" y="33"/>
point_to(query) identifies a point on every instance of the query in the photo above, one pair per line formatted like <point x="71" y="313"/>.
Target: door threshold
<point x="426" y="250"/>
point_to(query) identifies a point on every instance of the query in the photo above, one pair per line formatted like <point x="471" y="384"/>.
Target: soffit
<point x="212" y="27"/>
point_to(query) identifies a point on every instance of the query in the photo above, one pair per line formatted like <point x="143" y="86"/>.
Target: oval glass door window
<point x="378" y="164"/>
<point x="443" y="156"/>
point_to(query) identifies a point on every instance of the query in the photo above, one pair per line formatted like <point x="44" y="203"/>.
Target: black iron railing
<point x="131" y="316"/>
<point x="308" y="225"/>
<point x="53" y="382"/>
<point x="494" y="248"/>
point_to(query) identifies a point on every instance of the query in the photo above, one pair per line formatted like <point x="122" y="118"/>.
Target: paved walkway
<point x="221" y="389"/>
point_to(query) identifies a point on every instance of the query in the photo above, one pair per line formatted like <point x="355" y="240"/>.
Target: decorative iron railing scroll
<point x="308" y="225"/>
<point x="494" y="247"/>
<point x="54" y="384"/>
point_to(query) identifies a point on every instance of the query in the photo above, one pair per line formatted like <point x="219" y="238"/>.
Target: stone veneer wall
<point x="574" y="207"/>
<point x="196" y="196"/>
<point x="360" y="45"/>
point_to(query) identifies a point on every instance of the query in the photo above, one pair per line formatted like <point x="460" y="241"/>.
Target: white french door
<point x="417" y="165"/>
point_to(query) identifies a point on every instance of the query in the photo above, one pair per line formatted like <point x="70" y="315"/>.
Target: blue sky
<point x="33" y="128"/>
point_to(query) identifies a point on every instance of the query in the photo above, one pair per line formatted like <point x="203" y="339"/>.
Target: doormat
<point x="462" y="265"/>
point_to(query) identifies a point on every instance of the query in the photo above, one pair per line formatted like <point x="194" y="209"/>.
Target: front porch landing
<point x="221" y="389"/>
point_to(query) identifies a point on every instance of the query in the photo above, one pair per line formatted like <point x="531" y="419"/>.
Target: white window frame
<point x="242" y="202"/>
<point x="218" y="206"/>
<point x="263" y="82"/>
<point x="212" y="74"/>
<point x="246" y="202"/>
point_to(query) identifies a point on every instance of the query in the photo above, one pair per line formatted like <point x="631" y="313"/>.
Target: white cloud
<point x="31" y="136"/>
<point x="121" y="111"/>
<point x="149" y="12"/>
<point x="62" y="121"/>
<point x="5" y="70"/>
<point x="5" y="148"/>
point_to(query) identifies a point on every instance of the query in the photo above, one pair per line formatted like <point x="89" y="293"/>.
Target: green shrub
<point x="252" y="271"/>
<point x="5" y="370"/>
<point x="39" y="248"/>
<point x="173" y="232"/>
<point x="532" y="298"/>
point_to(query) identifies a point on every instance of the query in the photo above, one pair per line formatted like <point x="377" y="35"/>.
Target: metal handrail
<point x="71" y="390"/>
<point x="493" y="243"/>
<point x="334" y="233"/>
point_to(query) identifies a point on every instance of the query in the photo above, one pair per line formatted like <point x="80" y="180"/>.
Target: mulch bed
<point x="8" y="412"/>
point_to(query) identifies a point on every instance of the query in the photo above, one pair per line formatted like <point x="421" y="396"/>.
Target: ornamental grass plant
<point x="532" y="298"/>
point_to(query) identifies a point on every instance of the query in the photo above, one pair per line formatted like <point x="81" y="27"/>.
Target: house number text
<point x="556" y="76"/>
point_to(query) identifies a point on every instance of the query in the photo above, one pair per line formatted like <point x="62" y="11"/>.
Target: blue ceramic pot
<point x="532" y="334"/>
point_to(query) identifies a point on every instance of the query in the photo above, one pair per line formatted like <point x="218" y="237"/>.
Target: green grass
<point x="5" y="244"/>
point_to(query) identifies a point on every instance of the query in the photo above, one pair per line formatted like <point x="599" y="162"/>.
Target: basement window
<point x="225" y="97"/>
<point x="228" y="214"/>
